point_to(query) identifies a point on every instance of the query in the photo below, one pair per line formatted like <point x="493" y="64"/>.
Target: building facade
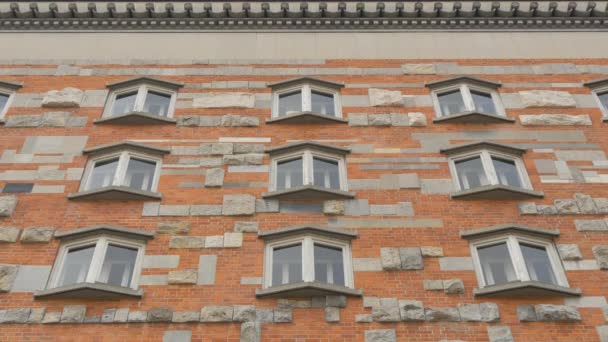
<point x="303" y="171"/>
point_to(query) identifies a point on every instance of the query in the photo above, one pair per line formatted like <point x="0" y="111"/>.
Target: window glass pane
<point x="124" y="103"/>
<point x="322" y="103"/>
<point x="451" y="102"/>
<point x="76" y="265"/>
<point x="290" y="103"/>
<point x="603" y="100"/>
<point x="329" y="265"/>
<point x="118" y="266"/>
<point x="103" y="173"/>
<point x="287" y="265"/>
<point x="506" y="172"/>
<point x="496" y="264"/>
<point x="157" y="103"/>
<point x="483" y="102"/>
<point x="289" y="174"/>
<point x="3" y="101"/>
<point x="326" y="173"/>
<point x="538" y="264"/>
<point x="140" y="174"/>
<point x="471" y="173"/>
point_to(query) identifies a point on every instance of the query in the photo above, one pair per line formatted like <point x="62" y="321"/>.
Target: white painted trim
<point x="308" y="265"/>
<point x="307" y="165"/>
<point x="11" y="96"/>
<point x="306" y="89"/>
<point x="101" y="245"/>
<point x="121" y="169"/>
<point x="489" y="170"/>
<point x="142" y="90"/>
<point x="513" y="242"/>
<point x="465" y="92"/>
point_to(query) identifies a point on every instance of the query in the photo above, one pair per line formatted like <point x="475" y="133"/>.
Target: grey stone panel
<point x="251" y="332"/>
<point x="378" y="223"/>
<point x="187" y="242"/>
<point x="387" y="311"/>
<point x="437" y="314"/>
<point x="453" y="286"/>
<point x="51" y="317"/>
<point x="31" y="278"/>
<point x="390" y="259"/>
<point x="20" y="315"/>
<point x="358" y="207"/>
<point x="433" y="285"/>
<point x="456" y="264"/>
<point x="7" y="205"/>
<point x="186" y="317"/>
<point x="551" y="312"/>
<point x="174" y="210"/>
<point x="364" y="318"/>
<point x="9" y="234"/>
<point x="205" y="210"/>
<point x="601" y="255"/>
<point x="108" y="316"/>
<point x="173" y="227"/>
<point x="569" y="252"/>
<point x="182" y="277"/>
<point x="384" y="335"/>
<point x="206" y="269"/>
<point x="431" y="251"/>
<point x="367" y="264"/>
<point x="137" y="316"/>
<point x="160" y="315"/>
<point x="36" y="315"/>
<point x="526" y="313"/>
<point x="177" y="336"/>
<point x="150" y="209"/>
<point x="238" y="205"/>
<point x="244" y="313"/>
<point x="411" y="258"/>
<point x="436" y="186"/>
<point x="591" y="225"/>
<point x="246" y="227"/>
<point x="579" y="155"/>
<point x="217" y="314"/>
<point x="500" y="334"/>
<point x="73" y="314"/>
<point x="411" y="310"/>
<point x="154" y="279"/>
<point x="266" y="206"/>
<point x="54" y="144"/>
<point x="332" y="314"/>
<point x="214" y="177"/>
<point x="602" y="332"/>
<point x="37" y="235"/>
<point x="121" y="315"/>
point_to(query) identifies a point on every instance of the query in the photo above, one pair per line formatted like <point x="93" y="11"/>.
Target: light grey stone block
<point x="409" y="181"/>
<point x="205" y="210"/>
<point x="381" y="97"/>
<point x="214" y="177"/>
<point x="436" y="314"/>
<point x="238" y="205"/>
<point x="364" y="318"/>
<point x="431" y="251"/>
<point x="283" y="315"/>
<point x="469" y="312"/>
<point x="182" y="277"/>
<point x="30" y="278"/>
<point x="601" y="255"/>
<point x="206" y="269"/>
<point x="246" y="227"/>
<point x="436" y="186"/>
<point x="411" y="258"/>
<point x="54" y="145"/>
<point x="384" y="335"/>
<point x="36" y="315"/>
<point x="9" y="234"/>
<point x="7" y="205"/>
<point x="555" y="120"/>
<point x="552" y="312"/>
<point x="590" y="225"/>
<point x="108" y="315"/>
<point x="566" y="206"/>
<point x="546" y="209"/>
<point x="546" y="98"/>
<point x="332" y="314"/>
<point x="411" y="310"/>
<point x="357" y="207"/>
<point x="585" y="203"/>
<point x="137" y="316"/>
<point x="417" y="119"/>
<point x="390" y="259"/>
<point x="73" y="314"/>
<point x="251" y="332"/>
<point x="433" y="285"/>
<point x="336" y="301"/>
<point x="215" y="241"/>
<point x="379" y="119"/>
<point x="186" y="317"/>
<point x="173" y="227"/>
<point x="418" y="69"/>
<point x="546" y="166"/>
<point x="334" y="207"/>
<point x="67" y="97"/>
<point x="51" y="317"/>
<point x="174" y="210"/>
<point x="500" y="334"/>
<point x="264" y="315"/>
<point x="244" y="313"/>
<point x="489" y="312"/>
<point x="177" y="336"/>
<point x="248" y="148"/>
<point x="453" y="286"/>
<point x="24" y="121"/>
<point x="243" y="159"/>
<point x="370" y="302"/>
<point x="187" y="242"/>
<point x="150" y="209"/>
<point x="587" y="302"/>
<point x="580" y="155"/>
<point x="387" y="311"/>
<point x="55" y="119"/>
<point x="456" y="264"/>
<point x="526" y="313"/>
<point x="121" y="315"/>
<point x="224" y="100"/>
<point x="527" y="208"/>
<point x="367" y="264"/>
<point x="251" y="280"/>
<point x="154" y="279"/>
<point x="217" y="314"/>
<point x="161" y="314"/>
<point x="20" y="315"/>
<point x="37" y="235"/>
<point x="602" y="205"/>
<point x="222" y="148"/>
<point x="602" y="332"/>
<point x="232" y="240"/>
<point x="569" y="252"/>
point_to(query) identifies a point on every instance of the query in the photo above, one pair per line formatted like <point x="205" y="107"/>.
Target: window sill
<point x="89" y="290"/>
<point x="135" y="118"/>
<point x="473" y="118"/>
<point x="305" y="289"/>
<point x="526" y="288"/>
<point x="306" y="118"/>
<point x="496" y="192"/>
<point x="116" y="193"/>
<point x="309" y="192"/>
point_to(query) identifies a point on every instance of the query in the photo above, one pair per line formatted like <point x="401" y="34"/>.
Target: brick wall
<point x="401" y="180"/>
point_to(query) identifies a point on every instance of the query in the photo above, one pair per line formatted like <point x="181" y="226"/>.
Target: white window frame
<point x="101" y="246"/>
<point x="596" y="94"/>
<point x="306" y="90"/>
<point x="467" y="98"/>
<point x="517" y="259"/>
<point x="488" y="167"/>
<point x="121" y="169"/>
<point x="307" y="164"/>
<point x="140" y="99"/>
<point x="308" y="268"/>
<point x="11" y="96"/>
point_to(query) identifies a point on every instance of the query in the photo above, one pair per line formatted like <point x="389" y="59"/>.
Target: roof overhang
<point x="135" y="118"/>
<point x="309" y="192"/>
<point x="474" y="118"/>
<point x="126" y="145"/>
<point x="307" y="145"/>
<point x="463" y="80"/>
<point x="89" y="291"/>
<point x="481" y="145"/>
<point x="145" y="80"/>
<point x="307" y="229"/>
<point x="104" y="230"/>
<point x="506" y="229"/>
<point x="525" y="289"/>
<point x="115" y="193"/>
<point x="307" y="289"/>
<point x="497" y="192"/>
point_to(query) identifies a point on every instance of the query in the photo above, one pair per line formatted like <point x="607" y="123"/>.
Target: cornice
<point x="302" y="16"/>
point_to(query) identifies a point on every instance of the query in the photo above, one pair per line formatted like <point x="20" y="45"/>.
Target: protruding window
<point x="308" y="167"/>
<point x="141" y="101"/>
<point x="7" y="93"/>
<point x="306" y="100"/>
<point x="517" y="259"/>
<point x="99" y="261"/>
<point x="127" y="169"/>
<point x="489" y="170"/>
<point x="307" y="259"/>
<point x="600" y="92"/>
<point x="467" y="100"/>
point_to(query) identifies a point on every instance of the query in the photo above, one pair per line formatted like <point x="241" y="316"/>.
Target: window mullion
<point x="486" y="160"/>
<point x="517" y="258"/>
<point x="97" y="260"/>
<point x="308" y="267"/>
<point x="140" y="99"/>
<point x="121" y="169"/>
<point x="306" y="98"/>
<point x="465" y="91"/>
<point x="308" y="168"/>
